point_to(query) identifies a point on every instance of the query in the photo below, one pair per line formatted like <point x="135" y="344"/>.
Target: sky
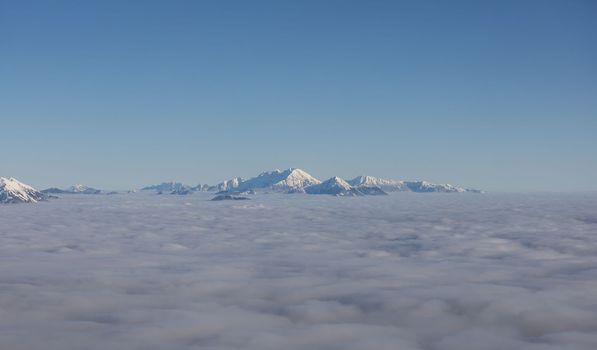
<point x="497" y="95"/>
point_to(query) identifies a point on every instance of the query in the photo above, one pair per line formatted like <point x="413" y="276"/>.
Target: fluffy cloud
<point x="406" y="271"/>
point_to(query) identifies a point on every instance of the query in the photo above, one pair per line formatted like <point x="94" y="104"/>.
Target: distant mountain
<point x="289" y="180"/>
<point x="76" y="189"/>
<point x="295" y="180"/>
<point x="201" y="188"/>
<point x="409" y="186"/>
<point x="386" y="185"/>
<point x="292" y="180"/>
<point x="183" y="191"/>
<point x="14" y="191"/>
<point x="179" y="188"/>
<point x="168" y="187"/>
<point x="335" y="186"/>
<point x="424" y="186"/>
<point x="227" y="185"/>
<point x="83" y="189"/>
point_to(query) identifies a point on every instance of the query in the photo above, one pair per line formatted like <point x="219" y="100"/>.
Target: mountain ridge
<point x="14" y="191"/>
<point x="291" y="180"/>
<point x="296" y="180"/>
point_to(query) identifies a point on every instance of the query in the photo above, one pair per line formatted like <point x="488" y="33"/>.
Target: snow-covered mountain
<point x="292" y="180"/>
<point x="289" y="180"/>
<point x="410" y="186"/>
<point x="227" y="185"/>
<point x="335" y="186"/>
<point x="75" y="189"/>
<point x="370" y="181"/>
<point x="424" y="186"/>
<point x="167" y="187"/>
<point x="297" y="180"/>
<point x="202" y="188"/>
<point x="82" y="189"/>
<point x="14" y="191"/>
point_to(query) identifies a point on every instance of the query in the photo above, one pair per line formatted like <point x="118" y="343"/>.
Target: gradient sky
<point x="498" y="95"/>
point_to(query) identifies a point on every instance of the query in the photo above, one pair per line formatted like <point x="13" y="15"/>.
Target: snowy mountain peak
<point x="14" y="191"/>
<point x="296" y="179"/>
<point x="289" y="180"/>
<point x="78" y="188"/>
<point x="229" y="185"/>
<point x="338" y="181"/>
<point x="334" y="186"/>
<point x="365" y="180"/>
<point x="426" y="186"/>
<point x="166" y="187"/>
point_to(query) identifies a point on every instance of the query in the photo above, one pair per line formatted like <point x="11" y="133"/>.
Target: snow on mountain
<point x="424" y="186"/>
<point x="182" y="191"/>
<point x="82" y="189"/>
<point x="201" y="188"/>
<point x="14" y="191"/>
<point x="167" y="187"/>
<point x="370" y="181"/>
<point x="289" y="180"/>
<point x="335" y="186"/>
<point x="297" y="180"/>
<point x="411" y="186"/>
<point x="75" y="189"/>
<point x="228" y="185"/>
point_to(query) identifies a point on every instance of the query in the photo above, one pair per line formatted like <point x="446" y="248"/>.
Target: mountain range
<point x="292" y="180"/>
<point x="76" y="189"/>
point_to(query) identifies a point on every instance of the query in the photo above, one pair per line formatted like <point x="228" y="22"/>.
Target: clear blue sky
<point x="499" y="95"/>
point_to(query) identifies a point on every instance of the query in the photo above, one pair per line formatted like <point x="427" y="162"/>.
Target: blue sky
<point x="499" y="95"/>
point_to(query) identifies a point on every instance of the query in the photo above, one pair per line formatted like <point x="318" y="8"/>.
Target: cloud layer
<point x="406" y="271"/>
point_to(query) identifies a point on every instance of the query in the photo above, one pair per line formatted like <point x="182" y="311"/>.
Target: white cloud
<point x="406" y="271"/>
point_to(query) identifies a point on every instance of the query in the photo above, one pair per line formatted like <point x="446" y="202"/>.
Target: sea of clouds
<point x="405" y="271"/>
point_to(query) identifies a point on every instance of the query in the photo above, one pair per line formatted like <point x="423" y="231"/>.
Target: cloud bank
<point x="406" y="271"/>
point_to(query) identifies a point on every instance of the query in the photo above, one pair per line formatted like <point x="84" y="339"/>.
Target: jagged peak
<point x="14" y="191"/>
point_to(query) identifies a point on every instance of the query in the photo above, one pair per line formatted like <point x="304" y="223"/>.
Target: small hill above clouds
<point x="14" y="191"/>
